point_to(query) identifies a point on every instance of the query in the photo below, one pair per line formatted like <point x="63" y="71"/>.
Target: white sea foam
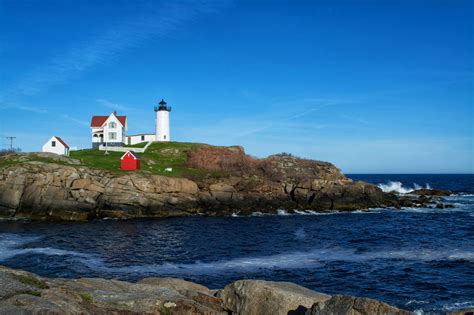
<point x="458" y="305"/>
<point x="399" y="188"/>
<point x="301" y="212"/>
<point x="9" y="247"/>
<point x="10" y="243"/>
<point x="416" y="302"/>
<point x="457" y="208"/>
<point x="295" y="260"/>
<point x="282" y="212"/>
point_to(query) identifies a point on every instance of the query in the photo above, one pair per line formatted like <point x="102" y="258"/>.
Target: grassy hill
<point x="159" y="155"/>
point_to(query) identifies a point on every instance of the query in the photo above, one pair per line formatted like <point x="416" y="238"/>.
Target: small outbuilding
<point x="56" y="145"/>
<point x="130" y="161"/>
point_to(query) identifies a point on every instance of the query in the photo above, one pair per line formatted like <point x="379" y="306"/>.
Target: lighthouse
<point x="162" y="121"/>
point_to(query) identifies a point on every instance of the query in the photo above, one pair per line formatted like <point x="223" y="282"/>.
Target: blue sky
<point x="372" y="86"/>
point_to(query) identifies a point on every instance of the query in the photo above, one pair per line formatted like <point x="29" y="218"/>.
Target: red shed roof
<point x="132" y="154"/>
<point x="62" y="141"/>
<point x="98" y="121"/>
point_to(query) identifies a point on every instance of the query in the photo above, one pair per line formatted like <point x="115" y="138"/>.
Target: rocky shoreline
<point x="22" y="292"/>
<point x="62" y="189"/>
<point x="50" y="187"/>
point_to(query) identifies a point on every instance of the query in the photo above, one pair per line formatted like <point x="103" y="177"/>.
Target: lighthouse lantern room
<point x="162" y="121"/>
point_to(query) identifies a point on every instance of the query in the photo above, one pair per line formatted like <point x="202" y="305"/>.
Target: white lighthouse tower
<point x="162" y="122"/>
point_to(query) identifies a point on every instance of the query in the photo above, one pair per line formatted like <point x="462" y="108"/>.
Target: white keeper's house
<point x="109" y="130"/>
<point x="56" y="145"/>
<point x="112" y="130"/>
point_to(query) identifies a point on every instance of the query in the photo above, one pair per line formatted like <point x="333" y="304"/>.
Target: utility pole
<point x="11" y="142"/>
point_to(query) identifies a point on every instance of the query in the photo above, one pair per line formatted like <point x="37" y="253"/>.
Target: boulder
<point x="431" y="192"/>
<point x="350" y="305"/>
<point x="248" y="297"/>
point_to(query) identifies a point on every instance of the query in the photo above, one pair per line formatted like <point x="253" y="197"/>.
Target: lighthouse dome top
<point x="163" y="106"/>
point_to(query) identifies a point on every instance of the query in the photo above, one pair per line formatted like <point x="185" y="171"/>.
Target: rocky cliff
<point x="26" y="293"/>
<point x="43" y="186"/>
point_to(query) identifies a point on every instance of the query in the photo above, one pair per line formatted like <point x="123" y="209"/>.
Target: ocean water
<point x="417" y="259"/>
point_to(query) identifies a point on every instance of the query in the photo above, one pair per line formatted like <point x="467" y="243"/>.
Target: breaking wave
<point x="399" y="188"/>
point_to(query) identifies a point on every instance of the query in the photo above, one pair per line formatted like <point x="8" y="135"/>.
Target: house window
<point x="143" y="138"/>
<point x="53" y="143"/>
<point x="112" y="135"/>
<point x="112" y="124"/>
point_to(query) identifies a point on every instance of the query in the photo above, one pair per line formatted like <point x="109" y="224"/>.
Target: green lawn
<point x="154" y="161"/>
<point x="98" y="159"/>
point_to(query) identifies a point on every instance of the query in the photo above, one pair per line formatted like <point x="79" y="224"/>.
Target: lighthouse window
<point x="164" y="137"/>
<point x="143" y="138"/>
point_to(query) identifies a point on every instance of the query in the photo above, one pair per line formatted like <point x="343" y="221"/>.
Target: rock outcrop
<point x="26" y="293"/>
<point x="60" y="189"/>
<point x="431" y="192"/>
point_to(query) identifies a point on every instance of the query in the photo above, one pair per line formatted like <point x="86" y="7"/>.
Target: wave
<point x="282" y="212"/>
<point x="398" y="187"/>
<point x="295" y="260"/>
<point x="9" y="247"/>
<point x="10" y="243"/>
<point x="458" y="305"/>
<point x="457" y="209"/>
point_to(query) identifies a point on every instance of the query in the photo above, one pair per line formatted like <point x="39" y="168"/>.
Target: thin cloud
<point x="112" y="105"/>
<point x="292" y="117"/>
<point x="158" y="22"/>
<point x="77" y="121"/>
<point x="32" y="109"/>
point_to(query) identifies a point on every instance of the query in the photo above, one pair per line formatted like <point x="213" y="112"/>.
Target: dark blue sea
<point x="417" y="259"/>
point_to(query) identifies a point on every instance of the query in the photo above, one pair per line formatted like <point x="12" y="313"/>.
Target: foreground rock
<point x="61" y="190"/>
<point x="25" y="293"/>
<point x="264" y="297"/>
<point x="350" y="305"/>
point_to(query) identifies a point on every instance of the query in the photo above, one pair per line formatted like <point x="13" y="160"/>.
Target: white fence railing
<point x="125" y="149"/>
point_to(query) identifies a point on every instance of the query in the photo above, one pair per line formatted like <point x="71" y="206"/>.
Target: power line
<point x="11" y="141"/>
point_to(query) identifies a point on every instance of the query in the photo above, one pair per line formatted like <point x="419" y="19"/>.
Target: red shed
<point x="130" y="161"/>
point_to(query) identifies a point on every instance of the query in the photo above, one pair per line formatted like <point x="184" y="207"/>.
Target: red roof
<point x="98" y="121"/>
<point x="130" y="154"/>
<point x="61" y="140"/>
